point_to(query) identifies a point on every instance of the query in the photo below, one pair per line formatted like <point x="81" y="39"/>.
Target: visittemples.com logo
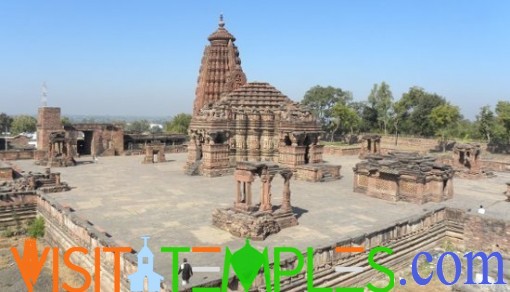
<point x="246" y="263"/>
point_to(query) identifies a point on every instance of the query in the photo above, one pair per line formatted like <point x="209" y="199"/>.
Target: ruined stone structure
<point x="466" y="161"/>
<point x="48" y="121"/>
<point x="60" y="152"/>
<point x="154" y="153"/>
<point x="257" y="221"/>
<point x="58" y="145"/>
<point x="370" y="144"/>
<point x="404" y="177"/>
<point x="238" y="121"/>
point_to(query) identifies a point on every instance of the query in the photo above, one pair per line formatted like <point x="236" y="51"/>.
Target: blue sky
<point x="143" y="57"/>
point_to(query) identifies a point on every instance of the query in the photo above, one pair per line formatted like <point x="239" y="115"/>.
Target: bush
<point x="36" y="228"/>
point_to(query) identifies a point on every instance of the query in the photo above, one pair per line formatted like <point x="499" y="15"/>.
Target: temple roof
<point x="221" y="34"/>
<point x="256" y="94"/>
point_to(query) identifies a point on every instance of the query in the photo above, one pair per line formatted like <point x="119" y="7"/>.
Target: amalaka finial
<point x="221" y="23"/>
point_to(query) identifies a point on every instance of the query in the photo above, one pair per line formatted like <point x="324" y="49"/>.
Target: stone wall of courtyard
<point x="64" y="229"/>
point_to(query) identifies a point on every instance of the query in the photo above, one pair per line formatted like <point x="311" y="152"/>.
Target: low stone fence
<point x="342" y="150"/>
<point x="64" y="229"/>
<point x="17" y="154"/>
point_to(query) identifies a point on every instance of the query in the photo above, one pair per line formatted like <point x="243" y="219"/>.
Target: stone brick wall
<point x="481" y="232"/>
<point x="342" y="150"/>
<point x="17" y="154"/>
<point x="48" y="121"/>
<point x="64" y="229"/>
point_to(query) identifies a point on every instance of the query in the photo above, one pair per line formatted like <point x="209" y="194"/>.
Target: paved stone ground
<point x="130" y="199"/>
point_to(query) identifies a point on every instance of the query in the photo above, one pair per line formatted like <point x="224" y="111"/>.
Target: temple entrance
<point x="84" y="142"/>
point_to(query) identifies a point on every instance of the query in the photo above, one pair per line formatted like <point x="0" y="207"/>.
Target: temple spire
<point x="221" y="23"/>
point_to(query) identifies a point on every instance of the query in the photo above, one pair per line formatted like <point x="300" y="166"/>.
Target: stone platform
<point x="318" y="172"/>
<point x="254" y="225"/>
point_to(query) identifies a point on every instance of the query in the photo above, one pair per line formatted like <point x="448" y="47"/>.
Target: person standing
<point x="186" y="271"/>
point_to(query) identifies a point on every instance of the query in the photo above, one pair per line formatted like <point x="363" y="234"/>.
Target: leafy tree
<point x="368" y="115"/>
<point x="138" y="126"/>
<point x="503" y="111"/>
<point x="322" y="99"/>
<point x="381" y="101"/>
<point x="5" y="122"/>
<point x="486" y="122"/>
<point x="445" y="118"/>
<point x="344" y="117"/>
<point x="66" y="121"/>
<point x="23" y="123"/>
<point x="412" y="112"/>
<point x="179" y="124"/>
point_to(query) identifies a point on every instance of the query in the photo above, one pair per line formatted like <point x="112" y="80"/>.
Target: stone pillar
<point x="248" y="194"/>
<point x="265" y="199"/>
<point x="47" y="172"/>
<point x="286" y="206"/>
<point x="56" y="175"/>
<point x="238" y="195"/>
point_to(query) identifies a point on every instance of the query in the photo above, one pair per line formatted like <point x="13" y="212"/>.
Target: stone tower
<point x="220" y="70"/>
<point x="48" y="121"/>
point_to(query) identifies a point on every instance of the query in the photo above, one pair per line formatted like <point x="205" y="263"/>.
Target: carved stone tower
<point x="220" y="71"/>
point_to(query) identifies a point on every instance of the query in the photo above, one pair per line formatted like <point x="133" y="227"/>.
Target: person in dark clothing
<point x="186" y="271"/>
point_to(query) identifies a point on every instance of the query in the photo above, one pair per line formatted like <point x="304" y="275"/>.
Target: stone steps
<point x="17" y="215"/>
<point x="404" y="250"/>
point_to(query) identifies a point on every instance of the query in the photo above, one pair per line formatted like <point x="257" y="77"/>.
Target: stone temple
<point x="238" y="121"/>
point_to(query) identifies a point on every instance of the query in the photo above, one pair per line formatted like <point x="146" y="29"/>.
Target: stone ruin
<point x="235" y="121"/>
<point x="370" y="145"/>
<point x="257" y="221"/>
<point x="47" y="182"/>
<point x="401" y="176"/>
<point x="154" y="153"/>
<point x="60" y="151"/>
<point x="466" y="161"/>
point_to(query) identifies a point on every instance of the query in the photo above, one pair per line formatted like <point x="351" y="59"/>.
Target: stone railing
<point x="64" y="229"/>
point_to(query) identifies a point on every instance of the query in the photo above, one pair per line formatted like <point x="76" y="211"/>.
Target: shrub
<point x="36" y="228"/>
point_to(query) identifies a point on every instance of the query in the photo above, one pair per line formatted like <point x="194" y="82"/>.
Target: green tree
<point x="412" y="112"/>
<point x="381" y="101"/>
<point x="66" y="121"/>
<point x="5" y="122"/>
<point x="23" y="123"/>
<point x="368" y="116"/>
<point x="503" y="112"/>
<point x="344" y="117"/>
<point x="179" y="124"/>
<point x="445" y="118"/>
<point x="138" y="126"/>
<point x="322" y="99"/>
<point x="486" y="122"/>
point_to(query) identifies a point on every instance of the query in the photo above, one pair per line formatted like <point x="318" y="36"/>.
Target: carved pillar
<point x="286" y="206"/>
<point x="265" y="199"/>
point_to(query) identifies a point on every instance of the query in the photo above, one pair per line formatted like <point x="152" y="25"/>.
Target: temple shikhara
<point x="234" y="120"/>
